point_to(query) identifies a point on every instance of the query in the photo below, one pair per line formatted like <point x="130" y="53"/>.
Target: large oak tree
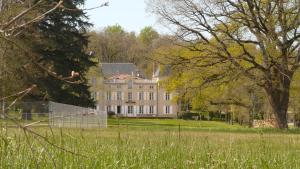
<point x="223" y="33"/>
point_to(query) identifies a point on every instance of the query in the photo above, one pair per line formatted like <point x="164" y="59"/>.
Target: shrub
<point x="111" y="113"/>
<point x="189" y="116"/>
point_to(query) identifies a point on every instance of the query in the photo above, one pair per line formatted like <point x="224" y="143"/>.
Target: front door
<point x="119" y="109"/>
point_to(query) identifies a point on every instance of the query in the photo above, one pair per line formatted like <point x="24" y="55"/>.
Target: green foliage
<point x="114" y="29"/>
<point x="148" y="35"/>
<point x="46" y="52"/>
<point x="238" y="40"/>
<point x="60" y="43"/>
<point x="114" y="45"/>
<point x="295" y="95"/>
<point x="206" y="84"/>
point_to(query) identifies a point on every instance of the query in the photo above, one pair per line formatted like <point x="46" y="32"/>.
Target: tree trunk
<point x="280" y="113"/>
<point x="279" y="100"/>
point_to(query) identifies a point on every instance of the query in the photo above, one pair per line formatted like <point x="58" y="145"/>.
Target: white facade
<point x="136" y="98"/>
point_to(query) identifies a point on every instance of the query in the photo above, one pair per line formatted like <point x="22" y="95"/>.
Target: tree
<point x="113" y="44"/>
<point x="114" y="29"/>
<point x="220" y="33"/>
<point x="148" y="35"/>
<point x="16" y="17"/>
<point x="59" y="44"/>
<point x="195" y="90"/>
<point x="51" y="38"/>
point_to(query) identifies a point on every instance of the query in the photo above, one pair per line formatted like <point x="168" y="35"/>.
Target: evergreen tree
<point x="59" y="44"/>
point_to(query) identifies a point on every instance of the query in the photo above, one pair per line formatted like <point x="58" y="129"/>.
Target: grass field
<point x="148" y="143"/>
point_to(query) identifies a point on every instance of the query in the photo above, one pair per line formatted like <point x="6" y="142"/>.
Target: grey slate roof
<point x="110" y="69"/>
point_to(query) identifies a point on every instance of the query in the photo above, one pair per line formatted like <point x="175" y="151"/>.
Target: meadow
<point x="150" y="143"/>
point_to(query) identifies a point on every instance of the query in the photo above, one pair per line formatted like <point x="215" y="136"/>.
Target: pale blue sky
<point x="130" y="14"/>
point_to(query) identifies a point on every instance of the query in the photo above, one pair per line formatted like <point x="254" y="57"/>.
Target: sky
<point x="130" y="14"/>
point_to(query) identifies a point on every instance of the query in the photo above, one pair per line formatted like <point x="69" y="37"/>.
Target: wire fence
<point x="57" y="115"/>
<point x="63" y="115"/>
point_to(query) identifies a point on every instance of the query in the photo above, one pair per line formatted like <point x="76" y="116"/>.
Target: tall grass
<point x="126" y="147"/>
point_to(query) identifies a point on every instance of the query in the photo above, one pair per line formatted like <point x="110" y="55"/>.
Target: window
<point x="119" y="109"/>
<point x="108" y="96"/>
<point x="167" y="96"/>
<point x="130" y="109"/>
<point x="141" y="96"/>
<point x="108" y="108"/>
<point x="167" y="109"/>
<point x="119" y="95"/>
<point x="140" y="86"/>
<point x="151" y="109"/>
<point x="119" y="86"/>
<point x="129" y="96"/>
<point x="141" y="109"/>
<point x="151" y="87"/>
<point x="151" y="96"/>
<point x="130" y="84"/>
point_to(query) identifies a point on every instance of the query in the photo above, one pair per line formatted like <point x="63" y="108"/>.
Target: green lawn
<point x="188" y="125"/>
<point x="151" y="143"/>
<point x="171" y="123"/>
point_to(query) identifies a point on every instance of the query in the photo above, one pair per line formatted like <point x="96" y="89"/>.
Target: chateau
<point x="123" y="89"/>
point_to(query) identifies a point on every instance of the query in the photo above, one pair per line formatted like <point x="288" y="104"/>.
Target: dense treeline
<point x="115" y="45"/>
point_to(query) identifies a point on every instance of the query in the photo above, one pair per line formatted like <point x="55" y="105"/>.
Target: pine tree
<point x="59" y="44"/>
